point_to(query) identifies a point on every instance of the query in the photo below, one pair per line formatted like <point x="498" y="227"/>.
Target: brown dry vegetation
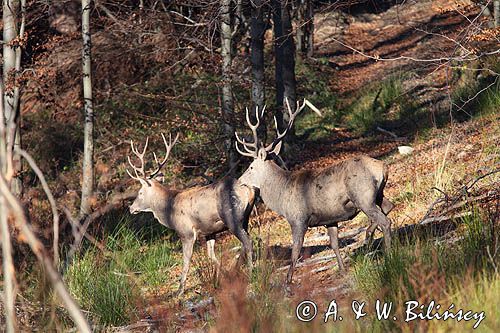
<point x="145" y="84"/>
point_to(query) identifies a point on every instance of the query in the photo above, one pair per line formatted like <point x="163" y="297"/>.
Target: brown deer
<point x="197" y="211"/>
<point x="310" y="198"/>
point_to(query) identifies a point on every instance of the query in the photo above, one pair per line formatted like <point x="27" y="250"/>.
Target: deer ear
<point x="160" y="177"/>
<point x="262" y="154"/>
<point x="277" y="148"/>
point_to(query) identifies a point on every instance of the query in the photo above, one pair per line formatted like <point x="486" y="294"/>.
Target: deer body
<point x="321" y="196"/>
<point x="200" y="210"/>
<point x="197" y="211"/>
<point x="317" y="197"/>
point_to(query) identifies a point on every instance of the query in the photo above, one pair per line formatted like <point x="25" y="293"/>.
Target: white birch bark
<point x="227" y="92"/>
<point x="88" y="148"/>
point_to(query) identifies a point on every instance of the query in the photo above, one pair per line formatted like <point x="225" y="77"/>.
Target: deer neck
<point x="273" y="189"/>
<point x="161" y="207"/>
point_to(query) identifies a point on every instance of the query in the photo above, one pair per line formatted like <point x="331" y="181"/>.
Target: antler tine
<point x="249" y="154"/>
<point x="253" y="127"/>
<point x="244" y="144"/>
<point x="291" y="119"/>
<point x="168" y="146"/>
<point x="139" y="155"/>
<point x="133" y="167"/>
<point x="251" y="148"/>
<point x="293" y="114"/>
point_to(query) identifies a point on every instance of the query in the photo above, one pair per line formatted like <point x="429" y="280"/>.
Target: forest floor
<point x="445" y="156"/>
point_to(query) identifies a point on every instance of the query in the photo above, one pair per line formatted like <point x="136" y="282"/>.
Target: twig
<point x="81" y="229"/>
<point x="492" y="258"/>
<point x="394" y="135"/>
<point x="76" y="231"/>
<point x="50" y="197"/>
<point x="444" y="218"/>
<point x="468" y="187"/>
<point x="310" y="261"/>
<point x="39" y="251"/>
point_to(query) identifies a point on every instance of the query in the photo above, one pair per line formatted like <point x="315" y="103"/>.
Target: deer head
<point x="259" y="169"/>
<point x="149" y="185"/>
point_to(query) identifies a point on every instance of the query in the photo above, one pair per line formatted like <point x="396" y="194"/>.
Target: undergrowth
<point x="109" y="282"/>
<point x="453" y="270"/>
<point x="379" y="102"/>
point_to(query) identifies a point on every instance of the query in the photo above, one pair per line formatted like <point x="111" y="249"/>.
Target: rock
<point x="405" y="150"/>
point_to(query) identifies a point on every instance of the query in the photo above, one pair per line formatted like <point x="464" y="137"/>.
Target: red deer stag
<point x="310" y="198"/>
<point x="197" y="211"/>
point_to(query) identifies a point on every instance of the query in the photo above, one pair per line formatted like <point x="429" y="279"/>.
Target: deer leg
<point x="379" y="219"/>
<point x="386" y="206"/>
<point x="211" y="255"/>
<point x="369" y="234"/>
<point x="187" y="253"/>
<point x="298" y="233"/>
<point x="246" y="248"/>
<point x="333" y="232"/>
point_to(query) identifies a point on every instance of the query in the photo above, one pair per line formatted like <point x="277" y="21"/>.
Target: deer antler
<point x="251" y="148"/>
<point x="139" y="171"/>
<point x="169" y="146"/>
<point x="291" y="119"/>
<point x="141" y="159"/>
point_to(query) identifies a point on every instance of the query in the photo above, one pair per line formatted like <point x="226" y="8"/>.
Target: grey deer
<point x="309" y="198"/>
<point x="197" y="211"/>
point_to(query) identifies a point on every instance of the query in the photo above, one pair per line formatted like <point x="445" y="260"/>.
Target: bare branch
<point x="39" y="251"/>
<point x="50" y="197"/>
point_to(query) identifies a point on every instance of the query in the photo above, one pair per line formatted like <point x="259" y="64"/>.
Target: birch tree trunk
<point x="10" y="164"/>
<point x="88" y="148"/>
<point x="257" y="31"/>
<point x="7" y="263"/>
<point x="11" y="93"/>
<point x="8" y="269"/>
<point x="496" y="13"/>
<point x="305" y="29"/>
<point x="227" y="92"/>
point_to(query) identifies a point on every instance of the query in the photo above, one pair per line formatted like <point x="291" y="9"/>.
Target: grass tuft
<point x="108" y="283"/>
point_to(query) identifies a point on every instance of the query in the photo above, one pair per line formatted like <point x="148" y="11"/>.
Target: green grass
<point x="480" y="294"/>
<point x="478" y="90"/>
<point x="374" y="104"/>
<point x="423" y="270"/>
<point x="108" y="283"/>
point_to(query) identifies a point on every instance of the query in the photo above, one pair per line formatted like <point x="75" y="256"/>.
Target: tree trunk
<point x="9" y="295"/>
<point x="257" y="31"/>
<point x="88" y="146"/>
<point x="285" y="63"/>
<point x="305" y="29"/>
<point x="7" y="263"/>
<point x="496" y="13"/>
<point x="8" y="270"/>
<point x="227" y="92"/>
<point x="11" y="93"/>
<point x="278" y="59"/>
